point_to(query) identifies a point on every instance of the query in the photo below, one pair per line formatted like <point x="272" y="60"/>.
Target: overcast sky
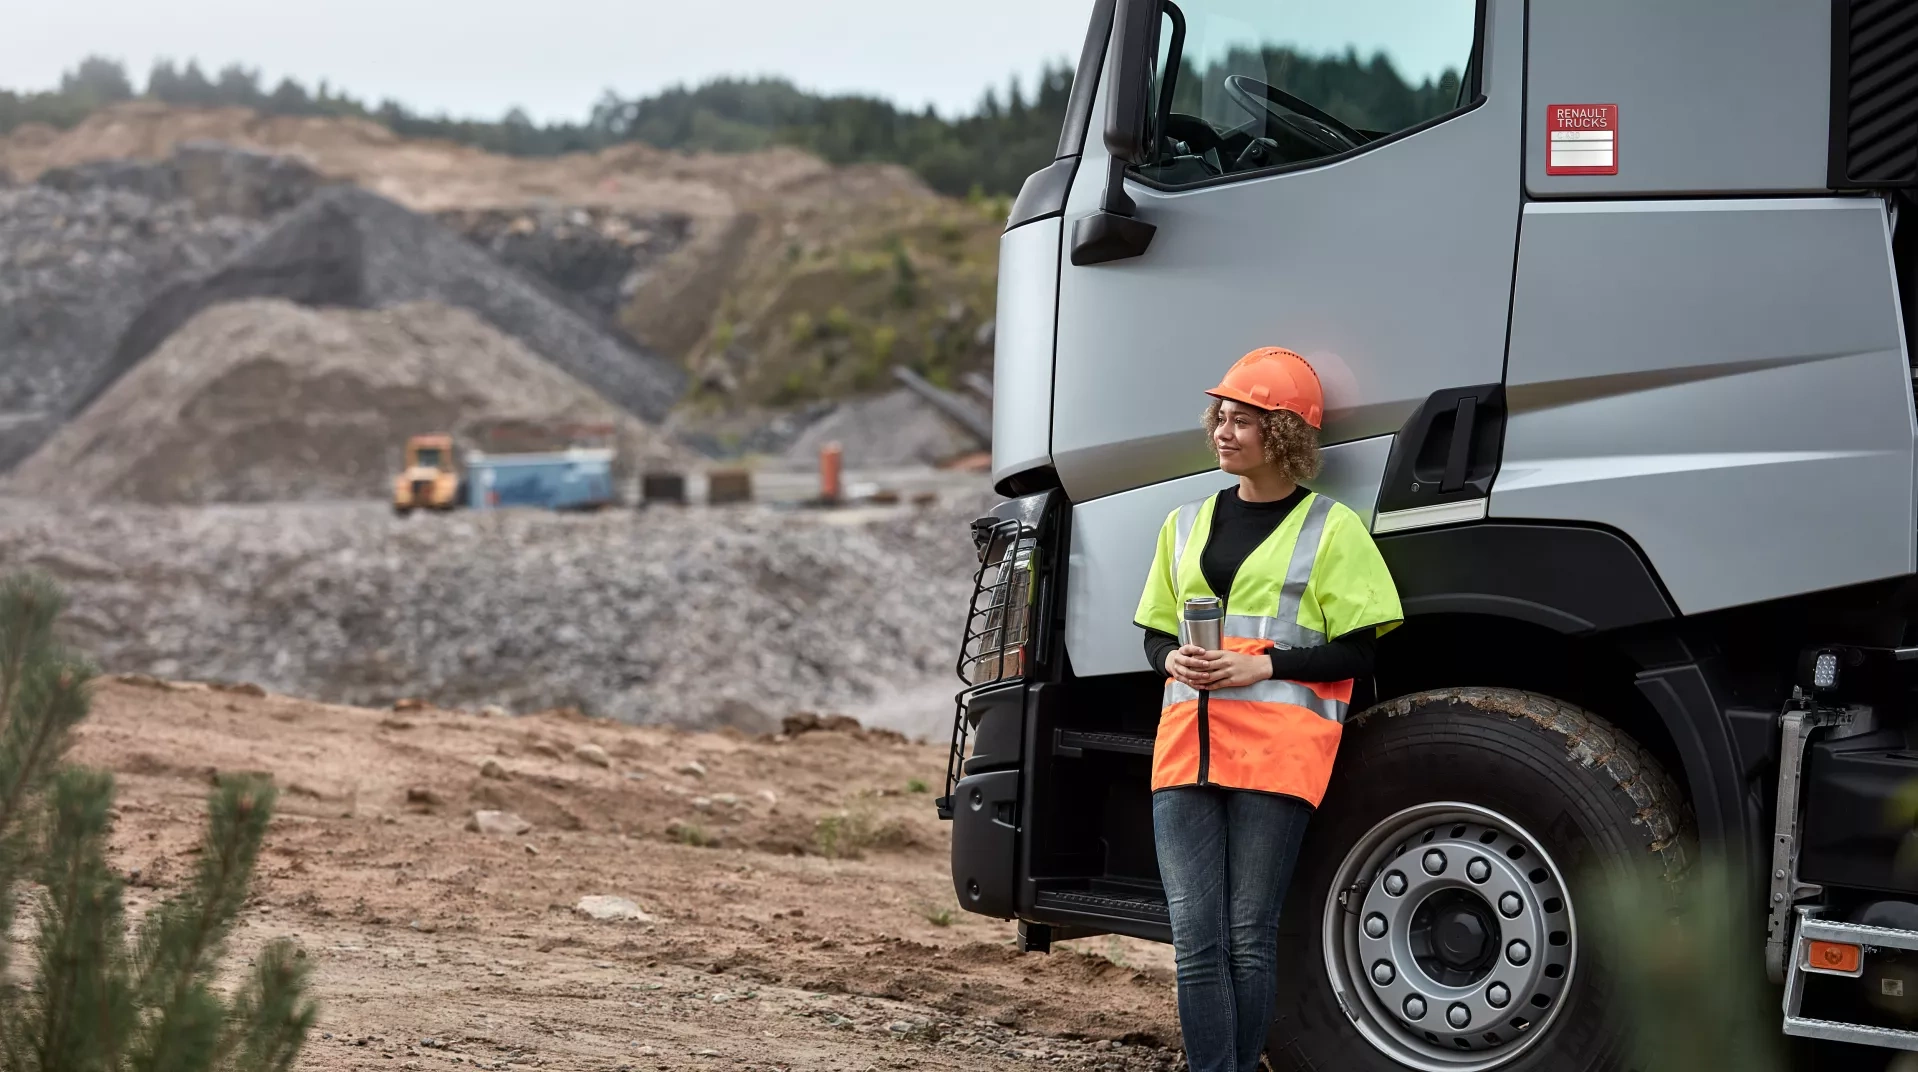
<point x="553" y="57"/>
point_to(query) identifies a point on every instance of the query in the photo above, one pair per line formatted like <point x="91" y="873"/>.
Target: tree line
<point x="1008" y="135"/>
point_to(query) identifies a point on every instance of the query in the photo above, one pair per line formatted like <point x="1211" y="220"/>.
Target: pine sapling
<point x="82" y="1009"/>
<point x="182" y="941"/>
<point x="43" y="695"/>
<point x="95" y="1005"/>
<point x="271" y="1016"/>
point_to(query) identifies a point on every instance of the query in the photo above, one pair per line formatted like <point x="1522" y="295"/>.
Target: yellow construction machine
<point x="430" y="479"/>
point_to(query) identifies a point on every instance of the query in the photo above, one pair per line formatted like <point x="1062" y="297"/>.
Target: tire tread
<point x="1590" y="742"/>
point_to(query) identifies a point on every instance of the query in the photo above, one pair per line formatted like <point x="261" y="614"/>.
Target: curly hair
<point x="1290" y="443"/>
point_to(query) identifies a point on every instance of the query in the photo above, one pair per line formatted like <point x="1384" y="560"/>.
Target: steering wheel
<point x="1308" y="121"/>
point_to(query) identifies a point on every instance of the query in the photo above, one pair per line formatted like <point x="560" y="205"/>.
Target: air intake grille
<point x="1874" y="93"/>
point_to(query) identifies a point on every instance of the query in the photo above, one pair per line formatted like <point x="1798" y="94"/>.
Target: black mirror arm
<point x="1116" y="200"/>
<point x="1113" y="233"/>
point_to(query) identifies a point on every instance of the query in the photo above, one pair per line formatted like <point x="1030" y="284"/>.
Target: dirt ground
<point x="439" y="947"/>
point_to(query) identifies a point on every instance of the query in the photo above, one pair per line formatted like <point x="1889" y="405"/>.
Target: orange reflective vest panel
<point x="1318" y="575"/>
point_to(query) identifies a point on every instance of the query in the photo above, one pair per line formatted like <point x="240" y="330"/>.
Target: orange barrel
<point x="829" y="473"/>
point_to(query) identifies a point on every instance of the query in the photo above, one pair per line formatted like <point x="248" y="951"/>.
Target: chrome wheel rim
<point x="1449" y="938"/>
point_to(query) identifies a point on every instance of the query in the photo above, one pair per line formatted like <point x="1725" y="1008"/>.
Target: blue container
<point x="578" y="479"/>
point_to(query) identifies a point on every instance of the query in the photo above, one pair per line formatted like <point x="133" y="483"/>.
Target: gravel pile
<point x="727" y="616"/>
<point x="896" y="428"/>
<point x="77" y="265"/>
<point x="264" y="400"/>
<point x="347" y="247"/>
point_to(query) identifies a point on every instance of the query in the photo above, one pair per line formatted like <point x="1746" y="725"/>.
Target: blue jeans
<point x="1226" y="857"/>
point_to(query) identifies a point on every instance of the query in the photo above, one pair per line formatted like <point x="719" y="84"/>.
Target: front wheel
<point x="1432" y="917"/>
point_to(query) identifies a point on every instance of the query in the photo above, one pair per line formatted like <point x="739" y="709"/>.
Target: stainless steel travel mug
<point x="1203" y="623"/>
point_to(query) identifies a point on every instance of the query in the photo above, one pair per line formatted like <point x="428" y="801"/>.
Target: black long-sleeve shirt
<point x="1238" y="528"/>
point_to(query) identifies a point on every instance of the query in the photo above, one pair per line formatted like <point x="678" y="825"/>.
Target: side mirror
<point x="1112" y="233"/>
<point x="1133" y="26"/>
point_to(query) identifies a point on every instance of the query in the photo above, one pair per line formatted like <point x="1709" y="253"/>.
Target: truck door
<point x="1340" y="177"/>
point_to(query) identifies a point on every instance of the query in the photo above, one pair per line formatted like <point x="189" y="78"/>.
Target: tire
<point x="1464" y="765"/>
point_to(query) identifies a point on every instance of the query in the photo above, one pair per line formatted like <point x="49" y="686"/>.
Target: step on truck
<point x="1606" y="300"/>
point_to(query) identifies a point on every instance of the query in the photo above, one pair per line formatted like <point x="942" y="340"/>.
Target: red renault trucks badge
<point x="1581" y="139"/>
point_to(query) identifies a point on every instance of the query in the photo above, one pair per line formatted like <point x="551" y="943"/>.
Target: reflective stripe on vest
<point x="1305" y="555"/>
<point x="1271" y="690"/>
<point x="1181" y="532"/>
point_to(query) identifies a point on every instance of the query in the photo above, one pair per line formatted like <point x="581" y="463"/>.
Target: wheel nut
<point x="1458" y="1016"/>
<point x="1383" y="974"/>
<point x="1414" y="1007"/>
<point x="1434" y="862"/>
<point x="1497" y="995"/>
<point x="1510" y="905"/>
<point x="1395" y="884"/>
<point x="1375" y="925"/>
<point x="1518" y="952"/>
<point x="1478" y="870"/>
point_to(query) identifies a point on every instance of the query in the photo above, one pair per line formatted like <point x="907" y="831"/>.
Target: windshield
<point x="1242" y="85"/>
<point x="427" y="458"/>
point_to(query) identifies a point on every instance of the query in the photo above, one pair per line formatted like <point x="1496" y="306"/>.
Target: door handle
<point x="1460" y="452"/>
<point x="1431" y="464"/>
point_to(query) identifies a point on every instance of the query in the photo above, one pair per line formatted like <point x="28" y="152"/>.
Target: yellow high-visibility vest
<point x="1317" y="576"/>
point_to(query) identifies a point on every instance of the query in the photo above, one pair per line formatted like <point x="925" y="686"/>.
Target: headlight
<point x="1001" y="618"/>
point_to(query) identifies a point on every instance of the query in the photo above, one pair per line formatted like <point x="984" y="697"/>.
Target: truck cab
<point x="1607" y="301"/>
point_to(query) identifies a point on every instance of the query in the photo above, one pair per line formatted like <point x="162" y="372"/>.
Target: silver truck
<point x="1606" y="298"/>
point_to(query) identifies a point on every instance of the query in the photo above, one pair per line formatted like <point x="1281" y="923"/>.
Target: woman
<point x="1248" y="733"/>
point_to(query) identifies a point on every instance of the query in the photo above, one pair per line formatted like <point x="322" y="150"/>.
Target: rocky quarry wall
<point x="81" y="255"/>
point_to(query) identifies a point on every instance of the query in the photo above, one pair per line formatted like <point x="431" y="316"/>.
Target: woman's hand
<point x="1202" y="669"/>
<point x="1231" y="669"/>
<point x="1185" y="665"/>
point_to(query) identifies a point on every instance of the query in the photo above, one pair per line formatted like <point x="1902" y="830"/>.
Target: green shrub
<point x="98" y="1001"/>
<point x="847" y="834"/>
<point x="905" y="278"/>
<point x="937" y="915"/>
<point x="692" y="834"/>
<point x="880" y="345"/>
<point x="1686" y="957"/>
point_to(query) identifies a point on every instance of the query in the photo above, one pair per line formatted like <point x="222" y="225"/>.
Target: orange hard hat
<point x="1272" y="377"/>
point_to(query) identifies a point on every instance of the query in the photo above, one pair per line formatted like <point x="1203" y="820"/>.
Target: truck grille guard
<point x="998" y="627"/>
